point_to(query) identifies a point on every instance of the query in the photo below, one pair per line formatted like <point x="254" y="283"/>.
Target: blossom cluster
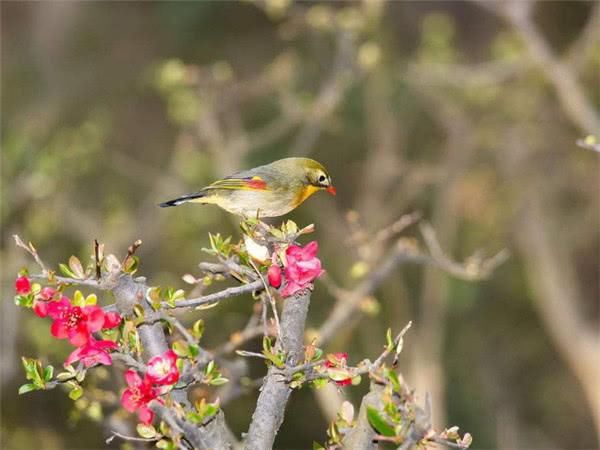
<point x="300" y="268"/>
<point x="73" y="322"/>
<point x="161" y="373"/>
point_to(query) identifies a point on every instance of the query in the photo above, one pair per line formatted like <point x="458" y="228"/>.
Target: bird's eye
<point x="322" y="178"/>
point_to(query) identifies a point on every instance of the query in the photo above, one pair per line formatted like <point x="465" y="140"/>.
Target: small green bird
<point x="271" y="190"/>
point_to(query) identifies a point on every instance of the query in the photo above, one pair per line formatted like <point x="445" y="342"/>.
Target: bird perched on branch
<point x="271" y="190"/>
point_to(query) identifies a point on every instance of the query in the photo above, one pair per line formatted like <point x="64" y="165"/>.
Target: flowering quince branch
<point x="163" y="357"/>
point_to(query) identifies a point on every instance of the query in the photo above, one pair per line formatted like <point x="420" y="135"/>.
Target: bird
<point x="271" y="190"/>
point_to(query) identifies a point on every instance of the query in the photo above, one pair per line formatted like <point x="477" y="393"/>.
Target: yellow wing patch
<point x="254" y="183"/>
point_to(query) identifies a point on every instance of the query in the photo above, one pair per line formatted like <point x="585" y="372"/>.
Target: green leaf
<point x="379" y="423"/>
<point x="193" y="350"/>
<point x="48" y="372"/>
<point x="146" y="431"/>
<point x="394" y="380"/>
<point x="165" y="444"/>
<point x="131" y="264"/>
<point x="66" y="271"/>
<point x="198" y="329"/>
<point x="209" y="367"/>
<point x="78" y="298"/>
<point x="389" y="339"/>
<point x="218" y="381"/>
<point x="25" y="388"/>
<point x="317" y="446"/>
<point x="76" y="392"/>
<point x="76" y="267"/>
<point x="91" y="299"/>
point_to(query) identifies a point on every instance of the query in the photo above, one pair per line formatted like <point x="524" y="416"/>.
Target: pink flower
<point x="162" y="369"/>
<point x="40" y="304"/>
<point x="302" y="267"/>
<point x="93" y="352"/>
<point x="339" y="359"/>
<point x="23" y="285"/>
<point x="74" y="322"/>
<point x="274" y="275"/>
<point x="138" y="394"/>
<point x="111" y="320"/>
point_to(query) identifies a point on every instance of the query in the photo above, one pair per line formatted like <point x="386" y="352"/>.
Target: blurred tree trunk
<point x="551" y="270"/>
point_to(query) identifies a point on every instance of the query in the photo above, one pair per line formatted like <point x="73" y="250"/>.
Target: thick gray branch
<point x="361" y="436"/>
<point x="274" y="394"/>
<point x="128" y="292"/>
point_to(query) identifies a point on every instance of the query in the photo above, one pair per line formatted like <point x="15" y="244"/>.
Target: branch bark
<point x="275" y="392"/>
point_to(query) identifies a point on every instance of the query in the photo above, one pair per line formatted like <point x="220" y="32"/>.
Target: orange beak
<point x="331" y="190"/>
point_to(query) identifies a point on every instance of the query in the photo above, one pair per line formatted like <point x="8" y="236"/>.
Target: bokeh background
<point x="466" y="112"/>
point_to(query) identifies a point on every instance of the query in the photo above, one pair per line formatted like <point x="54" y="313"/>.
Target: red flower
<point x="23" y="285"/>
<point x="40" y="304"/>
<point x="302" y="267"/>
<point x="274" y="275"/>
<point x="138" y="394"/>
<point x="74" y="322"/>
<point x="339" y="359"/>
<point x="111" y="320"/>
<point x="93" y="352"/>
<point x="162" y="369"/>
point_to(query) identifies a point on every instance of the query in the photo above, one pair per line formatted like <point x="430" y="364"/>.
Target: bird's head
<point x="317" y="176"/>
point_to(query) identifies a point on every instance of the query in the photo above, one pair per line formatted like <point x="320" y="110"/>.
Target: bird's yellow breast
<point x="305" y="192"/>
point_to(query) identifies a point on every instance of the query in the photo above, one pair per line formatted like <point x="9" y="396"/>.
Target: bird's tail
<point x="183" y="199"/>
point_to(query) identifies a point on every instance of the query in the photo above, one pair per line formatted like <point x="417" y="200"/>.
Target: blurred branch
<point x="588" y="39"/>
<point x="330" y="95"/>
<point x="348" y="301"/>
<point x="569" y="92"/>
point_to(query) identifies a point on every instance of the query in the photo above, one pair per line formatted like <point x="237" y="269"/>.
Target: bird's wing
<point x="249" y="183"/>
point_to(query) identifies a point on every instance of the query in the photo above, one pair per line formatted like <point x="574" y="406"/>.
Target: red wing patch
<point x="256" y="183"/>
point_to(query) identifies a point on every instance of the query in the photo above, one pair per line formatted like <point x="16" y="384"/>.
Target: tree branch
<point x="270" y="407"/>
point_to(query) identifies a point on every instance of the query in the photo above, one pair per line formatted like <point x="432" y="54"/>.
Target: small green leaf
<point x="389" y="339"/>
<point x="198" y="329"/>
<point x="76" y="392"/>
<point x="76" y="267"/>
<point x="146" y="431"/>
<point x="394" y="380"/>
<point x="78" y="298"/>
<point x="66" y="271"/>
<point x="25" y="388"/>
<point x="193" y="350"/>
<point x="64" y="376"/>
<point x="131" y="264"/>
<point x="165" y="444"/>
<point x="48" y="372"/>
<point x="209" y="367"/>
<point x="91" y="299"/>
<point x="317" y="446"/>
<point x="379" y="423"/>
<point x="218" y="381"/>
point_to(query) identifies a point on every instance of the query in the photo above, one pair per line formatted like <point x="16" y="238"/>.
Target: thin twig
<point x="217" y="296"/>
<point x="29" y="248"/>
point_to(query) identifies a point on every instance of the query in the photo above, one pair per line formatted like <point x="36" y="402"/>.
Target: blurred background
<point x="465" y="112"/>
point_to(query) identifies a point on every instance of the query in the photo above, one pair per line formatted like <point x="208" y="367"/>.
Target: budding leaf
<point x="379" y="423"/>
<point x="25" y="388"/>
<point x="145" y="431"/>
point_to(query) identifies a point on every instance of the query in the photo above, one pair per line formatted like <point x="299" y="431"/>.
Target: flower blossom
<point x="77" y="323"/>
<point x="162" y="369"/>
<point x="339" y="359"/>
<point x="138" y="394"/>
<point x="302" y="267"/>
<point x="23" y="285"/>
<point x="92" y="352"/>
<point x="274" y="275"/>
<point x="40" y="304"/>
